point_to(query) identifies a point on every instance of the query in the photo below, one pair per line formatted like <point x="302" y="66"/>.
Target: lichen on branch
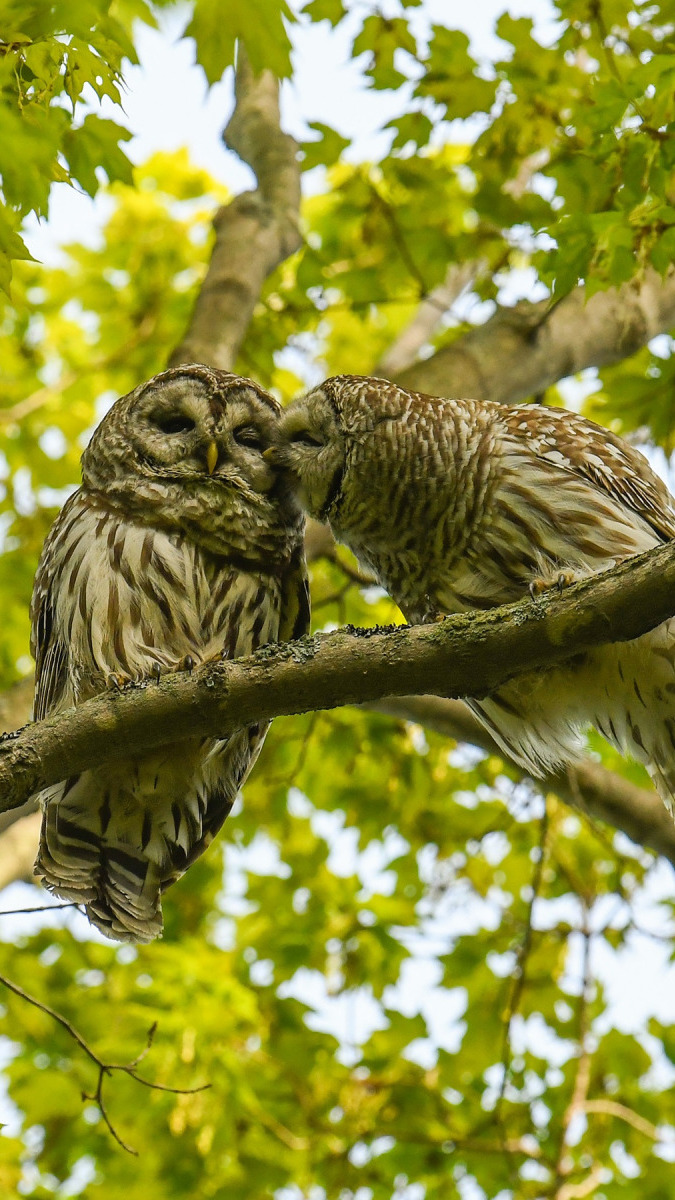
<point x="466" y="655"/>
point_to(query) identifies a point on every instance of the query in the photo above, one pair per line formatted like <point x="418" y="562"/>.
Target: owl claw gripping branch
<point x="182" y="543"/>
<point x="463" y="504"/>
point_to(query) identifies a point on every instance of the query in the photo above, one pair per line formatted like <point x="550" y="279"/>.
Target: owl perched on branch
<point x="182" y="544"/>
<point x="463" y="504"/>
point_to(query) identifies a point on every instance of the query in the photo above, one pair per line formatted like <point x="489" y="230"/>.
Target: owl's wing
<point x="580" y="447"/>
<point x="47" y="646"/>
<point x="295" y="610"/>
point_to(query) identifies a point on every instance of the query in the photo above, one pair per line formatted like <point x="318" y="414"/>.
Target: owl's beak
<point x="211" y="457"/>
<point x="270" y="454"/>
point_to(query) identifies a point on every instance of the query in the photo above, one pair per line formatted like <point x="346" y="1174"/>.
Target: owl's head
<point x="311" y="448"/>
<point x="186" y="448"/>
<point x="331" y="434"/>
<point x="190" y="423"/>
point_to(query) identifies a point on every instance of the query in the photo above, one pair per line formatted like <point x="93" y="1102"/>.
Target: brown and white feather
<point x="456" y="504"/>
<point x="154" y="562"/>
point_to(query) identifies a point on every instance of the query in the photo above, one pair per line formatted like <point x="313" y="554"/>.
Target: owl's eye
<point x="176" y="424"/>
<point x="248" y="435"/>
<point x="304" y="438"/>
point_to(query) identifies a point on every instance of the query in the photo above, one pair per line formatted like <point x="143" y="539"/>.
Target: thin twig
<point x="36" y="400"/>
<point x="577" y="1191"/>
<point x="564" y="1165"/>
<point x="612" y="1108"/>
<point x="520" y="972"/>
<point x="399" y="239"/>
<point x="13" y="912"/>
<point x="104" y="1068"/>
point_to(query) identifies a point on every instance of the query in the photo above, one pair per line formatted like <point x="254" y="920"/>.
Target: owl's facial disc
<point x="181" y="431"/>
<point x="311" y="449"/>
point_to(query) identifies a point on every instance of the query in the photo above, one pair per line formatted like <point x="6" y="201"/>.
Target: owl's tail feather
<point x="119" y="888"/>
<point x="114" y="844"/>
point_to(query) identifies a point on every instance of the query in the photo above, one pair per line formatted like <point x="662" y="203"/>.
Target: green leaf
<point x="259" y="24"/>
<point x="325" y="10"/>
<point x="663" y="253"/>
<point x="95" y="146"/>
<point x="382" y="37"/>
<point x="414" y="127"/>
<point x="450" y="77"/>
<point x="326" y="150"/>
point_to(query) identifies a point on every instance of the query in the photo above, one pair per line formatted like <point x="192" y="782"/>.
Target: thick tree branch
<point x="470" y="654"/>
<point x="254" y="233"/>
<point x="521" y="351"/>
<point x="18" y="843"/>
<point x="18" y="847"/>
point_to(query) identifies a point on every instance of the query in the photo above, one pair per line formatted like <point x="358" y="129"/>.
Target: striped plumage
<point x="181" y="545"/>
<point x="461" y="504"/>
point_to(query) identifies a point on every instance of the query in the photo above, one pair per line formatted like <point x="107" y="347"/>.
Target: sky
<point x="168" y="105"/>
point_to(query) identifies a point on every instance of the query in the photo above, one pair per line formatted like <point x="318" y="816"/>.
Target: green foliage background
<point x="365" y="854"/>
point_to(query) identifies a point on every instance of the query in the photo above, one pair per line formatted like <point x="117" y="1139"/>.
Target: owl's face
<point x="312" y="448"/>
<point x="186" y="450"/>
<point x="181" y="427"/>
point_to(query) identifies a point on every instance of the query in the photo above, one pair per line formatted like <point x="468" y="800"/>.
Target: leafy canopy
<point x="397" y="986"/>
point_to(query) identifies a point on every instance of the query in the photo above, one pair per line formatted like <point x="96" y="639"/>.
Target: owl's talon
<point x="562" y="580"/>
<point x="187" y="664"/>
<point x="116" y="682"/>
<point x="156" y="672"/>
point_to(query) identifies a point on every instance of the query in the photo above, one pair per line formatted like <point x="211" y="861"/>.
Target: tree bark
<point x="521" y="351"/>
<point x="254" y="233"/>
<point x="470" y="654"/>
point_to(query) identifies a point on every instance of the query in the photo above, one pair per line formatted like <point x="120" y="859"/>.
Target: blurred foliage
<point x="395" y="988"/>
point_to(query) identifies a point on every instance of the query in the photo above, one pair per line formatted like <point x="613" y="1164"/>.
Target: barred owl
<point x="182" y="544"/>
<point x="464" y="504"/>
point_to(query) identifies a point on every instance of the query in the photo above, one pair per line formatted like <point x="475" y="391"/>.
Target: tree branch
<point x="105" y="1069"/>
<point x="18" y="846"/>
<point x="254" y="233"/>
<point x="469" y="654"/>
<point x="403" y="352"/>
<point x="522" y="350"/>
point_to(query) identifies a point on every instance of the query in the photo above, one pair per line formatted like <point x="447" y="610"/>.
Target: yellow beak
<point x="211" y="457"/>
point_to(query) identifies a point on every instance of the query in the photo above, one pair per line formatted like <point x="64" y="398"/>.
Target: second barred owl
<point x="464" y="504"/>
<point x="181" y="545"/>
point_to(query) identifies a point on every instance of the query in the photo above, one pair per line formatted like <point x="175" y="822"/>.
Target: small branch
<point x="398" y="238"/>
<point x="470" y="654"/>
<point x="519" y="976"/>
<point x="432" y="308"/>
<point x="49" y="392"/>
<point x="254" y="233"/>
<point x="13" y="912"/>
<point x="104" y="1068"/>
<point x="578" y="1191"/>
<point x="582" y="1077"/>
<point x="612" y="1108"/>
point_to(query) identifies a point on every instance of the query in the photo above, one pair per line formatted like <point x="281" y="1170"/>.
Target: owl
<point x="182" y="544"/>
<point x="464" y="504"/>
